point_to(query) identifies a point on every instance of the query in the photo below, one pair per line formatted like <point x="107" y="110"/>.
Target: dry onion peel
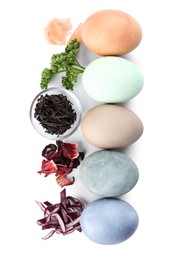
<point x="57" y="30"/>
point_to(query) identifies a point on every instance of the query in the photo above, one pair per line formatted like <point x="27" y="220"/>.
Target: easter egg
<point x="108" y="173"/>
<point x="111" y="32"/>
<point x="112" y="80"/>
<point x="109" y="221"/>
<point x="109" y="126"/>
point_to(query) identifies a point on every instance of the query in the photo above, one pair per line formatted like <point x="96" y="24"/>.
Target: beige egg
<point x="109" y="126"/>
<point x="111" y="32"/>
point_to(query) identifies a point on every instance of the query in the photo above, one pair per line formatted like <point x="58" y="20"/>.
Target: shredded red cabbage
<point x="62" y="218"/>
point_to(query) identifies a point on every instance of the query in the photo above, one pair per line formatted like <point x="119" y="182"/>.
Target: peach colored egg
<point x="111" y="32"/>
<point x="76" y="34"/>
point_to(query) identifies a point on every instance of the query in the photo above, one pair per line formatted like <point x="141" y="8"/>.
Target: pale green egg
<point x="112" y="79"/>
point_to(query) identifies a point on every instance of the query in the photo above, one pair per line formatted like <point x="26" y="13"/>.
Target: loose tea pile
<point x="55" y="113"/>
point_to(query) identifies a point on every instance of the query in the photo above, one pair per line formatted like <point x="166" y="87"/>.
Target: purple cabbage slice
<point x="62" y="218"/>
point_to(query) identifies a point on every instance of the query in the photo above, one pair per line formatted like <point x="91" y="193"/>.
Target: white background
<point x="24" y="52"/>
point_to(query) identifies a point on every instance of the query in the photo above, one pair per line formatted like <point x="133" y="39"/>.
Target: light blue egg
<point x="108" y="173"/>
<point x="109" y="221"/>
<point x="112" y="79"/>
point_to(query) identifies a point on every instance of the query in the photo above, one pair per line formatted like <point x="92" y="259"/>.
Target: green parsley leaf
<point x="64" y="62"/>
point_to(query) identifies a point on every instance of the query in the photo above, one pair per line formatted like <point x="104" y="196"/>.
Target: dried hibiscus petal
<point x="62" y="180"/>
<point x="48" y="167"/>
<point x="49" y="151"/>
<point x="62" y="218"/>
<point x="76" y="162"/>
<point x="63" y="169"/>
<point x="62" y="158"/>
<point x="69" y="150"/>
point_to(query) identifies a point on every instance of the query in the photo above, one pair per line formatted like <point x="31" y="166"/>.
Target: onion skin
<point x="57" y="30"/>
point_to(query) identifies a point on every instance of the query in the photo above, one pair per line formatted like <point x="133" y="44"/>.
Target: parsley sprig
<point x="64" y="62"/>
